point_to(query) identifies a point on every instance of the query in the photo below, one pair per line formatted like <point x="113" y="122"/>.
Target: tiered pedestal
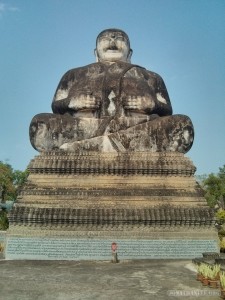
<point x="75" y="206"/>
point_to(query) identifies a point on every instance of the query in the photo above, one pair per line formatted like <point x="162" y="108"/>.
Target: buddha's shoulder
<point x="137" y="69"/>
<point x="93" y="68"/>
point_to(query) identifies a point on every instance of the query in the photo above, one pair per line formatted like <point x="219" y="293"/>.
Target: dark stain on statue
<point x="111" y="106"/>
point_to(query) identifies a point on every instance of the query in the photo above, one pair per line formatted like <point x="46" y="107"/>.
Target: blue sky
<point x="182" y="40"/>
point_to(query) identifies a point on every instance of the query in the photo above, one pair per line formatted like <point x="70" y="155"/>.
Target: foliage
<point x="213" y="272"/>
<point x="221" y="233"/>
<point x="222" y="244"/>
<point x="8" y="190"/>
<point x="214" y="186"/>
<point x="4" y="224"/>
<point x="201" y="178"/>
<point x="10" y="181"/>
<point x="222" y="279"/>
<point x="220" y="215"/>
<point x="210" y="272"/>
<point x="222" y="172"/>
<point x="203" y="269"/>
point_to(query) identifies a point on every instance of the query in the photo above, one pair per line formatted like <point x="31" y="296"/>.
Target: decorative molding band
<point x="156" y="216"/>
<point x="143" y="163"/>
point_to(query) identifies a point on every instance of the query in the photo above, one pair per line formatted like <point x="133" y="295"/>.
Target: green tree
<point x="7" y="188"/>
<point x="10" y="181"/>
<point x="221" y="173"/>
<point x="19" y="178"/>
<point x="214" y="186"/>
<point x="3" y="220"/>
<point x="10" y="184"/>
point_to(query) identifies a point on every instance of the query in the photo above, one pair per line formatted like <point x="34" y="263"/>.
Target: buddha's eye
<point x="104" y="39"/>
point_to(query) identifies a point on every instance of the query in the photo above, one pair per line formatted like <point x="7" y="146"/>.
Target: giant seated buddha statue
<point x="111" y="106"/>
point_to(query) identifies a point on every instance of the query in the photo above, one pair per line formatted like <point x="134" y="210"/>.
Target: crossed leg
<point x="148" y="133"/>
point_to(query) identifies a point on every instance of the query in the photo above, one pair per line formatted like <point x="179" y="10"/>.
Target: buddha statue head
<point x="113" y="45"/>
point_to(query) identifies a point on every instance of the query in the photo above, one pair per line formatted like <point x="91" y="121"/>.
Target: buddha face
<point x="113" y="46"/>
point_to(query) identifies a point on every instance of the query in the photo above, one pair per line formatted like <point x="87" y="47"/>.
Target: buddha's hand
<point x="84" y="102"/>
<point x="139" y="103"/>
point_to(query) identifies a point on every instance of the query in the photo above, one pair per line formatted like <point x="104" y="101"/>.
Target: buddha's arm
<point x="69" y="99"/>
<point x="163" y="105"/>
<point x="61" y="100"/>
<point x="83" y="105"/>
<point x="145" y="96"/>
<point x="61" y="106"/>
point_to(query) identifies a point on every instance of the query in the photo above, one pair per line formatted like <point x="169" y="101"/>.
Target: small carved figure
<point x="111" y="105"/>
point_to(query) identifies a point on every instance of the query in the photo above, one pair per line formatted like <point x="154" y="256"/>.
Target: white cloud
<point x="6" y="7"/>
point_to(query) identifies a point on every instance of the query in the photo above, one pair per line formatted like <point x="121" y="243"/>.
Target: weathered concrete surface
<point x="61" y="280"/>
<point x="111" y="106"/>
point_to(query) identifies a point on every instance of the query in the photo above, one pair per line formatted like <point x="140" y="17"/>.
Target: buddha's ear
<point x="129" y="55"/>
<point x="96" y="55"/>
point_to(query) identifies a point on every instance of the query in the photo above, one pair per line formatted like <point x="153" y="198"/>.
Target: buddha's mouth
<point x="112" y="49"/>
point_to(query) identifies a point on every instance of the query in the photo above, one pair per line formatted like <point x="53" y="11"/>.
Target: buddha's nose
<point x="112" y="42"/>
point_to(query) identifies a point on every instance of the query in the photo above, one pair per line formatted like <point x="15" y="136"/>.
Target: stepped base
<point x="75" y="206"/>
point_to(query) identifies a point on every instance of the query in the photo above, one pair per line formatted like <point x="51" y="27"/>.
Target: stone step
<point x="155" y="216"/>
